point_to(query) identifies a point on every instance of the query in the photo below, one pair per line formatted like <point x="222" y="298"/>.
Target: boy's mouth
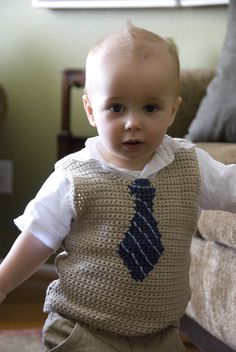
<point x="132" y="142"/>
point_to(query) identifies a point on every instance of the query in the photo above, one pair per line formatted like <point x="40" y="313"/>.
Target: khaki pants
<point x="61" y="334"/>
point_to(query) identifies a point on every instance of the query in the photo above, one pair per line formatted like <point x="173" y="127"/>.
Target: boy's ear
<point x="175" y="109"/>
<point x="89" y="110"/>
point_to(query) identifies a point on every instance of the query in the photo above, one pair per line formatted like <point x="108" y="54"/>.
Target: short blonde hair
<point x="134" y="43"/>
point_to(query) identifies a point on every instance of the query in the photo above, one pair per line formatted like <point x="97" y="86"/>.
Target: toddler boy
<point x="124" y="209"/>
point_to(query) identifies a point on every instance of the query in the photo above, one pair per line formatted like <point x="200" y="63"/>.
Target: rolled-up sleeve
<point x="49" y="215"/>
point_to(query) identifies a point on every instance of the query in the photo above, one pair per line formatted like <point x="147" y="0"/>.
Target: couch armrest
<point x="193" y="88"/>
<point x="218" y="226"/>
<point x="223" y="152"/>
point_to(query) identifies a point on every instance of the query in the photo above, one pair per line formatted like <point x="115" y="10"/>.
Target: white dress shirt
<point x="49" y="215"/>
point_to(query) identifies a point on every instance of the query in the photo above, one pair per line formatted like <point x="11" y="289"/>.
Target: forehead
<point x="115" y="72"/>
<point x="112" y="49"/>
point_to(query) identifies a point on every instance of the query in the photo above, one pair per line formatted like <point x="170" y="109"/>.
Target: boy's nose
<point x="133" y="122"/>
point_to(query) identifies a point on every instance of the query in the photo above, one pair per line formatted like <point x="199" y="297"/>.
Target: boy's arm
<point x="23" y="259"/>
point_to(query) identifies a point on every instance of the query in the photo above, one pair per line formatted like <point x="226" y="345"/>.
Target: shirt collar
<point x="163" y="156"/>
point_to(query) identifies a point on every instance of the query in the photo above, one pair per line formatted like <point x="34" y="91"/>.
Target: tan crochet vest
<point x="95" y="286"/>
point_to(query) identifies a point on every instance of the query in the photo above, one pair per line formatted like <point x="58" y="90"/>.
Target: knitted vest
<point x="94" y="285"/>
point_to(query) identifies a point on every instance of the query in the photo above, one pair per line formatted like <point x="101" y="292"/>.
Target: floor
<point x="23" y="308"/>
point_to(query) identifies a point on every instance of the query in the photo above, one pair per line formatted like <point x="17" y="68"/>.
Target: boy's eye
<point x="150" y="108"/>
<point x="117" y="108"/>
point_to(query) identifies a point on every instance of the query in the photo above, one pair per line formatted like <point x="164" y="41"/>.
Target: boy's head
<point x="131" y="44"/>
<point x="131" y="94"/>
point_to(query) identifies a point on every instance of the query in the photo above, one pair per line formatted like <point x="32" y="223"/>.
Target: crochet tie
<point x="141" y="247"/>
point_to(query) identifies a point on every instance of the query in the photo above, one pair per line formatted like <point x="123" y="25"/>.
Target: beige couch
<point x="212" y="308"/>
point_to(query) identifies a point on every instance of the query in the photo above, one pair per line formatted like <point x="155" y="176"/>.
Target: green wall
<point x="35" y="44"/>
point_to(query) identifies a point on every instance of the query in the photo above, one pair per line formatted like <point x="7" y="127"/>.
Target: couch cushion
<point x="216" y="117"/>
<point x="193" y="84"/>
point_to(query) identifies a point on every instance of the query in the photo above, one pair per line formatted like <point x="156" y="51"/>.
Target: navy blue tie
<point x="141" y="247"/>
